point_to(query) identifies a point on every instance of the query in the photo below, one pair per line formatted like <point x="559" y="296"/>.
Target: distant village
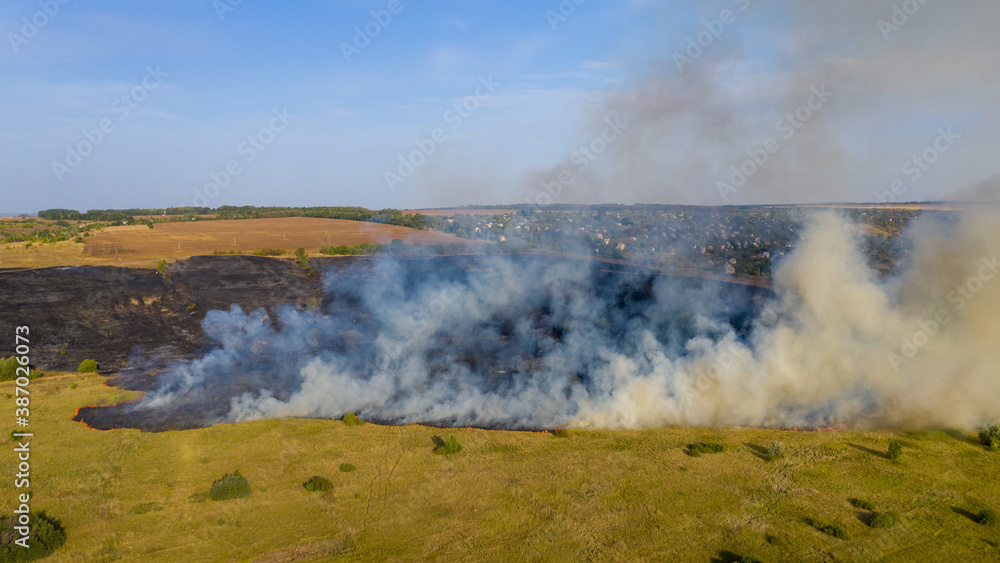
<point x="744" y="241"/>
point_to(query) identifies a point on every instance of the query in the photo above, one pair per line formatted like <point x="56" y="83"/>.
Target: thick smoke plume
<point x="538" y="343"/>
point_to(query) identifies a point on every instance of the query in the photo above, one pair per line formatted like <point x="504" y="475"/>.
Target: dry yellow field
<point x="138" y="246"/>
<point x="125" y="495"/>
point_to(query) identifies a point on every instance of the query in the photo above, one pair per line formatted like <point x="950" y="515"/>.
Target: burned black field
<point x="148" y="329"/>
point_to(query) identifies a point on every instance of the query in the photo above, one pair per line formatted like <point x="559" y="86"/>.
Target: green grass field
<point x="125" y="495"/>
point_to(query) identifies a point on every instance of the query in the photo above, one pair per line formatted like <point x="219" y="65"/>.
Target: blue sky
<point x="218" y="80"/>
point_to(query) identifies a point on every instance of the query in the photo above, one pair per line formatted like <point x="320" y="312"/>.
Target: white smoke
<point x="837" y="345"/>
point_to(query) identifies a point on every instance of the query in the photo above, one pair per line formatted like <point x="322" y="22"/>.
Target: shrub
<point x="895" y="450"/>
<point x="449" y="446"/>
<point x="987" y="517"/>
<point x="87" y="366"/>
<point x="696" y="450"/>
<point x="8" y="370"/>
<point x="351" y="419"/>
<point x="269" y="252"/>
<point x="318" y="484"/>
<point x="561" y="433"/>
<point x="46" y="536"/>
<point x="72" y="385"/>
<point x="775" y="451"/>
<point x="229" y="487"/>
<point x="883" y="520"/>
<point x="161" y="266"/>
<point x="834" y="530"/>
<point x="862" y="504"/>
<point x="347" y="467"/>
<point x="990" y="436"/>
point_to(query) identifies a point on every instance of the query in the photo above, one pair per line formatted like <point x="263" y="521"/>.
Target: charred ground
<point x="141" y="325"/>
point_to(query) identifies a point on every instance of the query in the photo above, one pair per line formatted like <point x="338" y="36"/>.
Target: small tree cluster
<point x="351" y="419"/>
<point x="87" y="366"/>
<point x="990" y="436"/>
<point x="883" y="520"/>
<point x="231" y="486"/>
<point x="8" y="369"/>
<point x="270" y="252"/>
<point x="46" y="536"/>
<point x="988" y="517"/>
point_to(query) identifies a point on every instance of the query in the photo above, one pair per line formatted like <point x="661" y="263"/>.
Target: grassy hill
<point x="604" y="495"/>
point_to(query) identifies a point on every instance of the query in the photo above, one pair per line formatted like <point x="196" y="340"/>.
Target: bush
<point x="775" y="451"/>
<point x="318" y="484"/>
<point x="347" y="467"/>
<point x="161" y="266"/>
<point x="696" y="450"/>
<point x="990" y="436"/>
<point x="834" y="530"/>
<point x="351" y="419"/>
<point x="229" y="487"/>
<point x="895" y="450"/>
<point x="987" y="517"/>
<point x="883" y="520"/>
<point x="269" y="252"/>
<point x="8" y="370"/>
<point x="862" y="504"/>
<point x="87" y="366"/>
<point x="46" y="536"/>
<point x="449" y="446"/>
<point x="561" y="433"/>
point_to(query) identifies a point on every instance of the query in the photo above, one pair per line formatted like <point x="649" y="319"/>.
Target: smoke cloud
<point x="527" y="342"/>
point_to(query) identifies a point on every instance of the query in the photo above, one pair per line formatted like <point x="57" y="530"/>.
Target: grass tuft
<point x="449" y="446"/>
<point x="895" y="450"/>
<point x="696" y="450"/>
<point x="775" y="451"/>
<point x="862" y="504"/>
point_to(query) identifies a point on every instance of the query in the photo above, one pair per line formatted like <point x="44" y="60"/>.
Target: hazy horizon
<point x="388" y="104"/>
